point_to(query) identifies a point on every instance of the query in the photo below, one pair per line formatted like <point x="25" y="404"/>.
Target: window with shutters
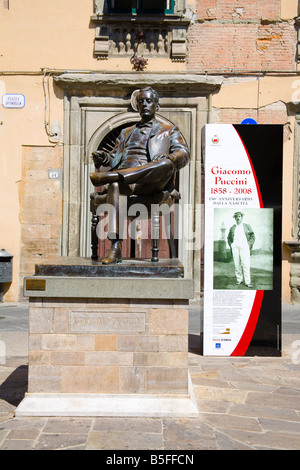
<point x="146" y="7"/>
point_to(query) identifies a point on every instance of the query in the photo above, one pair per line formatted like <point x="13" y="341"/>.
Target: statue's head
<point x="153" y="92"/>
<point x="147" y="103"/>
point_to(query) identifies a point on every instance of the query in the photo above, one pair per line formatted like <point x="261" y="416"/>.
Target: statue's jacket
<point x="163" y="139"/>
<point x="248" y="232"/>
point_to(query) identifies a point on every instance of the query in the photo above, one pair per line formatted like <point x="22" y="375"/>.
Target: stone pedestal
<point x="108" y="346"/>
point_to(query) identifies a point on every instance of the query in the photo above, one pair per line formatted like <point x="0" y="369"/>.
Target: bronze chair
<point x="99" y="198"/>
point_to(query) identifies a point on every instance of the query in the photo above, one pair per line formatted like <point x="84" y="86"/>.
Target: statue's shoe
<point x="114" y="255"/>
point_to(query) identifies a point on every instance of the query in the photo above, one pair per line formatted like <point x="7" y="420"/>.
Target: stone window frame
<point x="180" y="6"/>
<point x="137" y="7"/>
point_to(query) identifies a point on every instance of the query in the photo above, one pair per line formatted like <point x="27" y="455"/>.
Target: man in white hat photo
<point x="241" y="239"/>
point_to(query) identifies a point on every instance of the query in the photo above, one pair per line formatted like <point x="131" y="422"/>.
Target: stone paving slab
<point x="249" y="403"/>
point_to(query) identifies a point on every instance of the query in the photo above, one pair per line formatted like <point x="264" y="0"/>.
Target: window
<point x="141" y="6"/>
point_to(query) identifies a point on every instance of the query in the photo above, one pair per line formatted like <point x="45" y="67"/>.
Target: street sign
<point x="249" y="121"/>
<point x="13" y="100"/>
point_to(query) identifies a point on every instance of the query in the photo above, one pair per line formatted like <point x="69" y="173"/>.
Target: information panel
<point x="242" y="239"/>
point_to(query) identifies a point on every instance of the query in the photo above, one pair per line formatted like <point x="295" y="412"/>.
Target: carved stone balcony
<point x="128" y="36"/>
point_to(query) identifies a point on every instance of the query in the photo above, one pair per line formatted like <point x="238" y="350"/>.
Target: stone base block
<point x="74" y="404"/>
<point x="97" y="348"/>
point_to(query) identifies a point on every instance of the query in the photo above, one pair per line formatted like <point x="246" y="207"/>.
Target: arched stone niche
<point x="97" y="103"/>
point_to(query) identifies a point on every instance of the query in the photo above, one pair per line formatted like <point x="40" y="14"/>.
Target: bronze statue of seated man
<point x="143" y="162"/>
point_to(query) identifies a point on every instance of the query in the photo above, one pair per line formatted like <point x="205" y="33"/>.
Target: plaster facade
<point x="237" y="60"/>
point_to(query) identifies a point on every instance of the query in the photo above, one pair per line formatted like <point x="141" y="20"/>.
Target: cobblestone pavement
<point x="247" y="403"/>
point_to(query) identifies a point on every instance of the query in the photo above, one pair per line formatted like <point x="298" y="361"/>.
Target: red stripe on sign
<point x="253" y="171"/>
<point x="246" y="337"/>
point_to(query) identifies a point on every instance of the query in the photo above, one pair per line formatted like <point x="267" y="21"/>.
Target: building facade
<point x="67" y="74"/>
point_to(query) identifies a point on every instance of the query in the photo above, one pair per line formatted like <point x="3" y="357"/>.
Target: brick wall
<point x="238" y="9"/>
<point x="244" y="35"/>
<point x="275" y="113"/>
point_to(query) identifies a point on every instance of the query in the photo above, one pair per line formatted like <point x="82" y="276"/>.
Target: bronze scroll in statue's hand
<point x="99" y="158"/>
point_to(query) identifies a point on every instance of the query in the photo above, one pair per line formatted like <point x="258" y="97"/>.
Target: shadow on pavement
<point x="13" y="389"/>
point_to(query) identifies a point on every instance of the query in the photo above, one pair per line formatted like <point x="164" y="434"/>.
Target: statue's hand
<point x="158" y="157"/>
<point x="163" y="156"/>
<point x="99" y="158"/>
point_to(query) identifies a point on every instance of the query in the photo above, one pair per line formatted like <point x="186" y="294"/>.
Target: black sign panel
<point x="243" y="226"/>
